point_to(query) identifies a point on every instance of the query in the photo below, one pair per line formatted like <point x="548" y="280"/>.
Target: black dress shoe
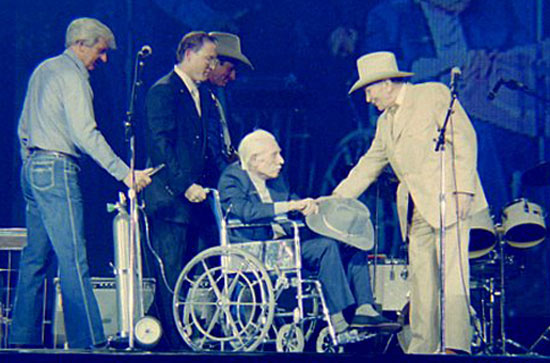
<point x="375" y="322"/>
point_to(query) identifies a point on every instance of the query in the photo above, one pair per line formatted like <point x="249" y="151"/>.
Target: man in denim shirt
<point x="57" y="124"/>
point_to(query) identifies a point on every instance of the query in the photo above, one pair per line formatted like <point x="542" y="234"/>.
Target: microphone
<point x="494" y="90"/>
<point x="145" y="51"/>
<point x="514" y="85"/>
<point x="455" y="74"/>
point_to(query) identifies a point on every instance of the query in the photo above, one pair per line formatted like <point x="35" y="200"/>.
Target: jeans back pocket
<point x="42" y="174"/>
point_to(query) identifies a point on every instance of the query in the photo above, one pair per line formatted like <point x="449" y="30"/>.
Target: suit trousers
<point x="424" y="256"/>
<point x="343" y="272"/>
<point x="176" y="244"/>
<point x="170" y="243"/>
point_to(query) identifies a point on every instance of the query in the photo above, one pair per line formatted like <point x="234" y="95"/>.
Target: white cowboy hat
<point x="345" y="220"/>
<point x="229" y="45"/>
<point x="375" y="67"/>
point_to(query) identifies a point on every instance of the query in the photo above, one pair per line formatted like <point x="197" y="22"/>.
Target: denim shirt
<point x="58" y="114"/>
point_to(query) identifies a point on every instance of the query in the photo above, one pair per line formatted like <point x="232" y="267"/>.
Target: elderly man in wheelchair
<point x="253" y="191"/>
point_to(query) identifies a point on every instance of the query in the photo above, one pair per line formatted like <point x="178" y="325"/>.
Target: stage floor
<point x="62" y="356"/>
<point x="380" y="348"/>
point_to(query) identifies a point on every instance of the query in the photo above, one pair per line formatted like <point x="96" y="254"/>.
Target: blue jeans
<point x="54" y="223"/>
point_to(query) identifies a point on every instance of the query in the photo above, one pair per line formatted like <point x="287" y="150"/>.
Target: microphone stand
<point x="440" y="147"/>
<point x="132" y="196"/>
<point x="512" y="84"/>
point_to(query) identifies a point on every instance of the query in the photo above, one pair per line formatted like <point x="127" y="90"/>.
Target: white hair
<point x="88" y="31"/>
<point x="252" y="144"/>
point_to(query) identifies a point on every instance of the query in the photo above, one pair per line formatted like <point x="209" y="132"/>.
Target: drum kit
<point x="491" y="251"/>
<point x="522" y="226"/>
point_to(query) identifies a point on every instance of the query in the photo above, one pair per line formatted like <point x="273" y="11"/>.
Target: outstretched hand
<point x="305" y="206"/>
<point x="327" y="197"/>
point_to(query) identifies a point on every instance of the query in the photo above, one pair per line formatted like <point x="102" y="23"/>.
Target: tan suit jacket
<point x="408" y="145"/>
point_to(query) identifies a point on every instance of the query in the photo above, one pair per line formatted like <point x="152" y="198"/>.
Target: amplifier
<point x="106" y="295"/>
<point x="391" y="286"/>
<point x="13" y="238"/>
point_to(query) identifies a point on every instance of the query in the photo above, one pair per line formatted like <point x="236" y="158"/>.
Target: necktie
<point x="196" y="97"/>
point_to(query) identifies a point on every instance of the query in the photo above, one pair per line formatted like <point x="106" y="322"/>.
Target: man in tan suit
<point x="405" y="138"/>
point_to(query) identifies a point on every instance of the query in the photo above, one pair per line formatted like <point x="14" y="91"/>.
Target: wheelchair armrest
<point x="293" y="222"/>
<point x="237" y="223"/>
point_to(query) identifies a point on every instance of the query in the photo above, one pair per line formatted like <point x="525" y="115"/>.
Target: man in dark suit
<point x="177" y="137"/>
<point x="253" y="191"/>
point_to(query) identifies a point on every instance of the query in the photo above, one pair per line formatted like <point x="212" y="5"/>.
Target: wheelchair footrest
<point x="355" y="336"/>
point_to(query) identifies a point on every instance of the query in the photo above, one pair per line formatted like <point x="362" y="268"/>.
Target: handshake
<point x="308" y="206"/>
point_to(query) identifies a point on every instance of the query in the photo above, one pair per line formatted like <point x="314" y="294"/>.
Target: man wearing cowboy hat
<point x="406" y="130"/>
<point x="231" y="59"/>
<point x="253" y="191"/>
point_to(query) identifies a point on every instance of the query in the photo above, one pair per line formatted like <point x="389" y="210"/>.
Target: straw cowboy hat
<point x="375" y="67"/>
<point x="229" y="45"/>
<point x="345" y="220"/>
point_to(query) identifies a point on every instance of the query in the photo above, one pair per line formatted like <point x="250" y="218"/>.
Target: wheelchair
<point x="238" y="296"/>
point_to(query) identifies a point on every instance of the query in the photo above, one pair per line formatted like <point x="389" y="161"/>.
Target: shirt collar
<point x="256" y="180"/>
<point x="189" y="83"/>
<point x="81" y="67"/>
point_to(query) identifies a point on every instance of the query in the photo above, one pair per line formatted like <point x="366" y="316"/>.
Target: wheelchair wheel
<point x="290" y="338"/>
<point x="287" y="312"/>
<point x="324" y="343"/>
<point x="223" y="301"/>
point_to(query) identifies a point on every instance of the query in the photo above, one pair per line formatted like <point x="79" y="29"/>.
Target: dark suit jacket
<point x="215" y="130"/>
<point x="176" y="136"/>
<point x="238" y="192"/>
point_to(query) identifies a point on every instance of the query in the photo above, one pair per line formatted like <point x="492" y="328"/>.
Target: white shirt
<point x="393" y="111"/>
<point x="191" y="86"/>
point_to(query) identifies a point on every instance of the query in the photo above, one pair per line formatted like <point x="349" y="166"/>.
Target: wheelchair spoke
<point x="213" y="321"/>
<point x="229" y="290"/>
<point x="212" y="281"/>
<point x="188" y="280"/>
<point x="231" y="321"/>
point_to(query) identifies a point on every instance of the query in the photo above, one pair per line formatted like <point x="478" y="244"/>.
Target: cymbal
<point x="537" y="176"/>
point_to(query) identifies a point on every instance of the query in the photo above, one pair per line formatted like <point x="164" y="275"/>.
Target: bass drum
<point x="523" y="224"/>
<point x="483" y="236"/>
<point x="405" y="335"/>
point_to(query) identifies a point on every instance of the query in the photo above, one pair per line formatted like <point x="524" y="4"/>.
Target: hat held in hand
<point x="345" y="220"/>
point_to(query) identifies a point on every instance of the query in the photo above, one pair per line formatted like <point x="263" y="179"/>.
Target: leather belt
<point x="57" y="154"/>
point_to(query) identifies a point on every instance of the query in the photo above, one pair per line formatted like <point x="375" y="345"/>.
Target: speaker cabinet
<point x="106" y="296"/>
<point x="390" y="286"/>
